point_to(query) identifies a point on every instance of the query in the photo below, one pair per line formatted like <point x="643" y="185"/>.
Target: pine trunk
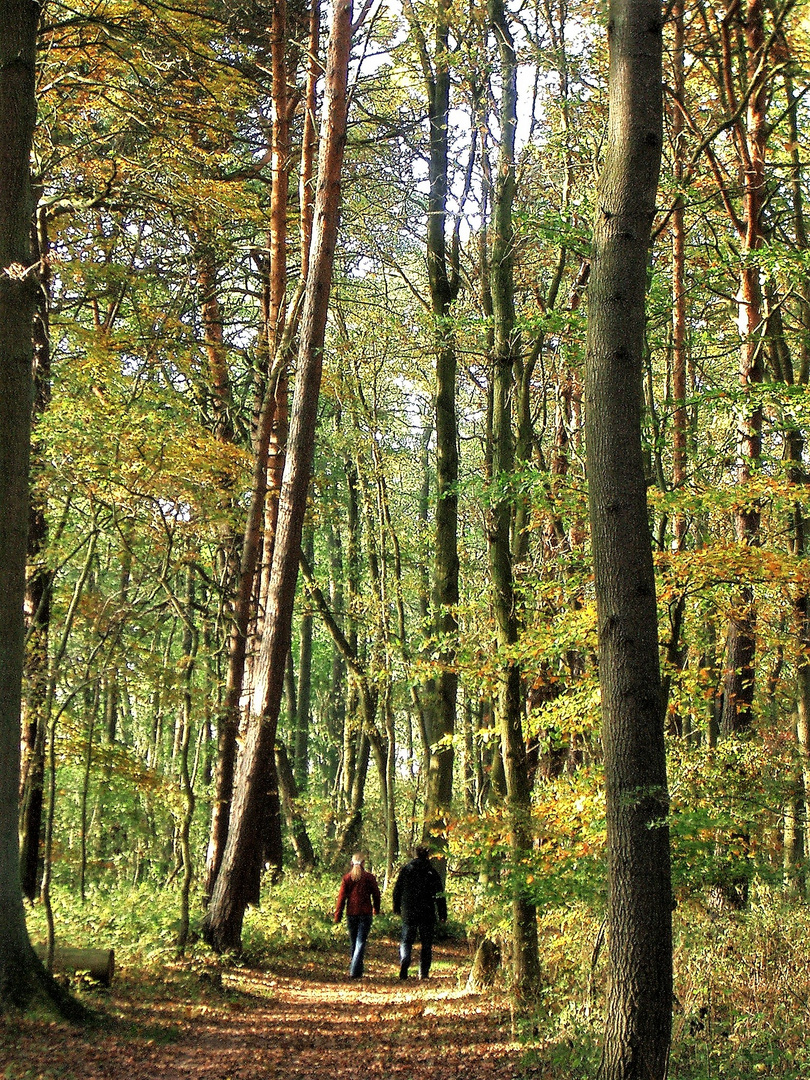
<point x="223" y="924"/>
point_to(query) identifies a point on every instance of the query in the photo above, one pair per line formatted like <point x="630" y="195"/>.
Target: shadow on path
<point x="301" y="1020"/>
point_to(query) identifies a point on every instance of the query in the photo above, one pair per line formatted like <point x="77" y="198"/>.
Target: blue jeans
<point x="359" y="926"/>
<point x="410" y="931"/>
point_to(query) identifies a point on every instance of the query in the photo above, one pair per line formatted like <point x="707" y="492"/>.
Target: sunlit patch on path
<point x="295" y="1019"/>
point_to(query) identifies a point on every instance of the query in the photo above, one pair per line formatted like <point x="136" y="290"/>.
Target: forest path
<point x="299" y="1019"/>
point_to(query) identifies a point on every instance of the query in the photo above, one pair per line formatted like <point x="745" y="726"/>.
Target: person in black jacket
<point x="418" y="898"/>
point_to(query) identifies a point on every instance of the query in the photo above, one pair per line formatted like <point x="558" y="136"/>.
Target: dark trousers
<point x="359" y="926"/>
<point x="410" y="931"/>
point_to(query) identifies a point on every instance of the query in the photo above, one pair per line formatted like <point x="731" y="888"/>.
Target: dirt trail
<point x="302" y="1020"/>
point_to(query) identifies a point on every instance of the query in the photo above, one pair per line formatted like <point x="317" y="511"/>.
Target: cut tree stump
<point x="485" y="966"/>
<point x="98" y="963"/>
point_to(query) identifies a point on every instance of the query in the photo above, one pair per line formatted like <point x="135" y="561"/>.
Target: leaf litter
<point x="297" y="1019"/>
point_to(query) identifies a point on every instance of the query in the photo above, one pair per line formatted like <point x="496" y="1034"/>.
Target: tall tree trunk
<point x="679" y="368"/>
<point x="39" y="583"/>
<point x="223" y="923"/>
<point x="639" y="1010"/>
<point x="267" y="465"/>
<point x="228" y="721"/>
<point x="335" y="710"/>
<point x="191" y="639"/>
<point x="304" y="696"/>
<point x="740" y="673"/>
<point x="443" y="282"/>
<point x="22" y="976"/>
<point x="506" y="348"/>
<point x="296" y="826"/>
<point x="92" y="703"/>
<point x="348" y="838"/>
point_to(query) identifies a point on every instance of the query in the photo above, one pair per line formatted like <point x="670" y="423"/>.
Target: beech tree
<point x="639" y="1008"/>
<point x="443" y="279"/>
<point x="502" y="540"/>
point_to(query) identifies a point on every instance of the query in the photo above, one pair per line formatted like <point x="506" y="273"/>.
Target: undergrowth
<point x="742" y="994"/>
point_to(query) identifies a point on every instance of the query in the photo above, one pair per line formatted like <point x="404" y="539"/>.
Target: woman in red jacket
<point x="360" y="895"/>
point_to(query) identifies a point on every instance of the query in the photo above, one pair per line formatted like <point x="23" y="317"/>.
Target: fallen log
<point x="98" y="963"/>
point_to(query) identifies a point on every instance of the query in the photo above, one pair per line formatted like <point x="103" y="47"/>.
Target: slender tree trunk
<point x="190" y="644"/>
<point x="442" y="278"/>
<point x="92" y="708"/>
<point x="296" y="826"/>
<point x="270" y="850"/>
<point x="506" y="347"/>
<point x="309" y="140"/>
<point x="639" y="1011"/>
<point x="335" y="712"/>
<point x="679" y="367"/>
<point x="304" y="695"/>
<point x="223" y="924"/>
<point x="740" y="671"/>
<point x="39" y="584"/>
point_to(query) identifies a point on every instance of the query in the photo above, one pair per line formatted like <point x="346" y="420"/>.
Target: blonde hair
<point x="358" y="860"/>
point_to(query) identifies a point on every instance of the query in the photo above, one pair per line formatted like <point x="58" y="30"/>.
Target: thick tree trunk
<point x="228" y="722"/>
<point x="223" y="924"/>
<point x="22" y="976"/>
<point x="267" y="438"/>
<point x="638" y="1022"/>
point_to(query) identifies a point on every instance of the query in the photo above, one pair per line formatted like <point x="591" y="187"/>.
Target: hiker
<point x="360" y="895"/>
<point x="418" y="898"/>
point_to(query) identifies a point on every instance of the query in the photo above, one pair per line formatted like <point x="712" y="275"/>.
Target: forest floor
<point x="298" y="1018"/>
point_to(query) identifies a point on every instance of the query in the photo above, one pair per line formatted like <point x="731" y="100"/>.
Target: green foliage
<point x="295" y="914"/>
<point x="725" y="803"/>
<point x="742" y="987"/>
<point x="139" y="922"/>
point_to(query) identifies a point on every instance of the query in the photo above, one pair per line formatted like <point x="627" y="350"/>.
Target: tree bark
<point x="739" y="679"/>
<point x="191" y="639"/>
<point x="296" y="826"/>
<point x="638" y="1021"/>
<point x="223" y="923"/>
<point x="505" y="352"/>
<point x="443" y="283"/>
<point x="304" y="696"/>
<point x="268" y="451"/>
<point x="22" y="976"/>
<point x="39" y="583"/>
